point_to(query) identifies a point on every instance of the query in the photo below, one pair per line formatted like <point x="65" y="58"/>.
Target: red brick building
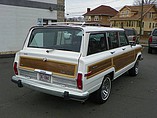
<point x="100" y="15"/>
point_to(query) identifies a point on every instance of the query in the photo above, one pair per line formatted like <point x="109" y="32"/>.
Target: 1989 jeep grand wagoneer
<point x="73" y="61"/>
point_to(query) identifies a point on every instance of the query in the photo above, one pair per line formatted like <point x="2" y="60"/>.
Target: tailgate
<point x="58" y="67"/>
<point x="154" y="39"/>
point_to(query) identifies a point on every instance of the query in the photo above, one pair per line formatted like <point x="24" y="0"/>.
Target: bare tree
<point x="139" y="2"/>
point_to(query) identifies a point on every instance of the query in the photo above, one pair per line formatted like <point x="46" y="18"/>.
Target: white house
<point x="17" y="16"/>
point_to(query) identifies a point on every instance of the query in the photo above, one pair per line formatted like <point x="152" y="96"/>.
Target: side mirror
<point x="132" y="43"/>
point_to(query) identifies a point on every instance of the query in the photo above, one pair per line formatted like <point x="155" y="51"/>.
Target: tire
<point x="103" y="93"/>
<point x="149" y="50"/>
<point x="135" y="70"/>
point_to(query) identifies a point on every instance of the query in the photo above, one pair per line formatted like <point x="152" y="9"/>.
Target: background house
<point x="130" y="17"/>
<point x="100" y="15"/>
<point x="17" y="16"/>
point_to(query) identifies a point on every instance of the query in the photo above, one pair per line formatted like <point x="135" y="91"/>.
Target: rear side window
<point x="97" y="43"/>
<point x="155" y="32"/>
<point x="123" y="39"/>
<point x="113" y="40"/>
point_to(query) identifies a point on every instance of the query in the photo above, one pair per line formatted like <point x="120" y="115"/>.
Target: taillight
<point x="88" y="74"/>
<point x="79" y="81"/>
<point x="150" y="39"/>
<point x="134" y="38"/>
<point x="15" y="68"/>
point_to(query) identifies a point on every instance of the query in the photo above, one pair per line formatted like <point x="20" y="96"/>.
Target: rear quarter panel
<point x="99" y="64"/>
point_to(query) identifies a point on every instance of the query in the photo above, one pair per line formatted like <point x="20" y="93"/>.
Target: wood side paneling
<point x="117" y="62"/>
<point x="99" y="67"/>
<point x="138" y="50"/>
<point x="61" y="68"/>
<point x="123" y="60"/>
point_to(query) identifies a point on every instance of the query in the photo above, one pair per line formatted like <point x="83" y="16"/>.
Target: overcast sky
<point x="75" y="8"/>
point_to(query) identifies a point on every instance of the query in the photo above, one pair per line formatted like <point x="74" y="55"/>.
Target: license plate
<point x="45" y="77"/>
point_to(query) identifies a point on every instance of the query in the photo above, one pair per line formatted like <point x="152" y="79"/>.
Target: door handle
<point x="123" y="48"/>
<point x="112" y="52"/>
<point x="94" y="67"/>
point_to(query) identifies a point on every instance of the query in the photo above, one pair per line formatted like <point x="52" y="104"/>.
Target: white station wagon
<point x="75" y="61"/>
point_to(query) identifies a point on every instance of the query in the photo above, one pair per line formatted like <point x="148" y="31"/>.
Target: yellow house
<point x="130" y="17"/>
<point x="100" y="15"/>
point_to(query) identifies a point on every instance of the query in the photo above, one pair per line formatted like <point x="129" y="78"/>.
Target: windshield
<point x="60" y="38"/>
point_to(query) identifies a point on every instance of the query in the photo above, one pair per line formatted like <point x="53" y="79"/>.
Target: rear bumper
<point x="53" y="90"/>
<point x="153" y="45"/>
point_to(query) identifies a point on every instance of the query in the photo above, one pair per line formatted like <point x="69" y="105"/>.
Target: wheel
<point x="135" y="70"/>
<point x="150" y="50"/>
<point x="102" y="94"/>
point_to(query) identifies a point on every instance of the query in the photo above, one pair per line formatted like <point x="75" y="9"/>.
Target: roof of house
<point x="102" y="10"/>
<point x="136" y="10"/>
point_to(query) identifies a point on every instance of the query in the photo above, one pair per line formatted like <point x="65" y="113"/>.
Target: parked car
<point x="132" y="35"/>
<point x="152" y="42"/>
<point x="74" y="61"/>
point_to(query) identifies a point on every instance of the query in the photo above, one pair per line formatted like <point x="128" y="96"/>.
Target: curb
<point x="7" y="55"/>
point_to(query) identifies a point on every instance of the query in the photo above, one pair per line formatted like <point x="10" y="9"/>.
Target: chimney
<point x="88" y="10"/>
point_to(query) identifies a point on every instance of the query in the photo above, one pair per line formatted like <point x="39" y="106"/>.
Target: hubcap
<point x="136" y="68"/>
<point x="106" y="88"/>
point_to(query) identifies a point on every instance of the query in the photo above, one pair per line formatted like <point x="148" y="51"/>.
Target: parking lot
<point x="131" y="97"/>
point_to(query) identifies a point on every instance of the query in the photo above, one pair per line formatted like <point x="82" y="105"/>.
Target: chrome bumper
<point x="153" y="45"/>
<point x="53" y="90"/>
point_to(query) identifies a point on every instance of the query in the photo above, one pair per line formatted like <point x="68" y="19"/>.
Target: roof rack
<point x="83" y="24"/>
<point x="68" y="23"/>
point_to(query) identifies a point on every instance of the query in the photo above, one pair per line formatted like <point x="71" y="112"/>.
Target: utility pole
<point x="141" y="20"/>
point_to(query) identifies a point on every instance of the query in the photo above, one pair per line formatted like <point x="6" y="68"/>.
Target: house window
<point x="96" y="18"/>
<point x="129" y="23"/>
<point x="109" y="17"/>
<point x="114" y="24"/>
<point x="138" y="23"/>
<point x="124" y="13"/>
<point x="150" y="25"/>
<point x="127" y="13"/>
<point x="143" y="24"/>
<point x="153" y="25"/>
<point x="151" y="15"/>
<point x="101" y="18"/>
<point x="133" y="24"/>
<point x="88" y="18"/>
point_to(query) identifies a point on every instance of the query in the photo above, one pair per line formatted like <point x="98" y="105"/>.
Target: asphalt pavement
<point x="131" y="97"/>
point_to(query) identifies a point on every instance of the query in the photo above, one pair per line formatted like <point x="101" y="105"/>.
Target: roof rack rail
<point x="67" y="23"/>
<point x="83" y="24"/>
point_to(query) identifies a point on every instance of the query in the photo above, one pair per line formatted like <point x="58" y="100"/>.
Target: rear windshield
<point x="130" y="32"/>
<point x="154" y="33"/>
<point x="59" y="38"/>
